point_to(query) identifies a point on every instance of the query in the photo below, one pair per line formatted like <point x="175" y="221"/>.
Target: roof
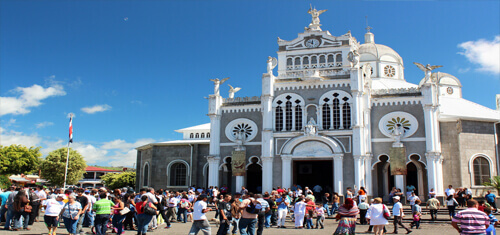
<point x="93" y="168"/>
<point x="378" y="50"/>
<point x="204" y="127"/>
<point x="389" y="83"/>
<point x="176" y="142"/>
<point x="458" y="108"/>
<point x="18" y="179"/>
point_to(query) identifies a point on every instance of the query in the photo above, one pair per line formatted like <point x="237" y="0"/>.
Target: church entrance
<point x="313" y="172"/>
<point x="254" y="177"/>
<point x="412" y="177"/>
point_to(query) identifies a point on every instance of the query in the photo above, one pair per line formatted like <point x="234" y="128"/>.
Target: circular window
<point x="389" y="71"/>
<point x="407" y="122"/>
<point x="241" y="127"/>
<point x="449" y="90"/>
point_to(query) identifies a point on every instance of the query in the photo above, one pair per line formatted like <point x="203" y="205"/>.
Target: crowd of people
<point x="241" y="212"/>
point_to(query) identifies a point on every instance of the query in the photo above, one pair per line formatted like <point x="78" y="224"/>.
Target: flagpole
<point x="69" y="142"/>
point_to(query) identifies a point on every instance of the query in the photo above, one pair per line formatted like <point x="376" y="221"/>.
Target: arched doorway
<point x="254" y="176"/>
<point x="412" y="176"/>
<point x="226" y="170"/>
<point x="383" y="177"/>
<point x="417" y="176"/>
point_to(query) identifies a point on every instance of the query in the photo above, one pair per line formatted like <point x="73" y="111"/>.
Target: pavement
<point x="441" y="228"/>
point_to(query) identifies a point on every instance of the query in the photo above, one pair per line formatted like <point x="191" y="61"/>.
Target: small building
<point x="92" y="177"/>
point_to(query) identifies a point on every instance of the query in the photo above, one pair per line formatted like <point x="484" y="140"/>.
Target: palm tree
<point x="494" y="182"/>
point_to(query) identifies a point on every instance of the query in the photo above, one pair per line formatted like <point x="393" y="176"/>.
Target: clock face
<point x="312" y="43"/>
<point x="449" y="90"/>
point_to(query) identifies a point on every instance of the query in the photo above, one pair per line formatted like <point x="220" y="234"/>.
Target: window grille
<point x="279" y="119"/>
<point x="346" y="113"/>
<point x="288" y="116"/>
<point x="481" y="171"/>
<point x="326" y="117"/>
<point x="336" y="113"/>
<point x="298" y="116"/>
<point x="146" y="175"/>
<point x="178" y="174"/>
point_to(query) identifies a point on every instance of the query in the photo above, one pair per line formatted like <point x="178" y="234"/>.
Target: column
<point x="358" y="171"/>
<point x="338" y="178"/>
<point x="399" y="182"/>
<point x="239" y="182"/>
<point x="286" y="171"/>
<point x="431" y="172"/>
<point x="293" y="117"/>
<point x="267" y="174"/>
<point x="331" y="114"/>
<point x="368" y="174"/>
<point x="439" y="176"/>
<point x="213" y="171"/>
<point x="341" y="115"/>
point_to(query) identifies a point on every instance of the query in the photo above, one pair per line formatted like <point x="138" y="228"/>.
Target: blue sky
<point x="135" y="71"/>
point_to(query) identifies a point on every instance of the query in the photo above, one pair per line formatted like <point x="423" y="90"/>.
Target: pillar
<point x="338" y="178"/>
<point x="267" y="174"/>
<point x="358" y="171"/>
<point x="368" y="174"/>
<point x="239" y="182"/>
<point x="213" y="171"/>
<point x="399" y="182"/>
<point x="431" y="172"/>
<point x="286" y="171"/>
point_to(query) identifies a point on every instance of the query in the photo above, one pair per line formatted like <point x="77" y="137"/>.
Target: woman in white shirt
<point x="375" y="215"/>
<point x="451" y="203"/>
<point x="299" y="212"/>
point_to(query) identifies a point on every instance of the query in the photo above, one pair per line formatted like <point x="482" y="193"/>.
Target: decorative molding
<point x="250" y="162"/>
<point x="471" y="163"/>
<point x="242" y="124"/>
<point x="296" y="85"/>
<point x="234" y="144"/>
<point x="412" y="139"/>
<point x="409" y="124"/>
<point x="292" y="143"/>
<point x="398" y="91"/>
<point x="396" y="101"/>
<point x="241" y="100"/>
<point x="242" y="109"/>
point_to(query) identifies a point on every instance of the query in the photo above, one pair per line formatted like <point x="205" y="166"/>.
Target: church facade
<point x="338" y="113"/>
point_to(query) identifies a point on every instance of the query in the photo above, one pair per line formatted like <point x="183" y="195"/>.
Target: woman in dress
<point x="375" y="215"/>
<point x="347" y="214"/>
<point x="71" y="212"/>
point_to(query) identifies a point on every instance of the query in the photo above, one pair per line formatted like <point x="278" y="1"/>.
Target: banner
<point x="398" y="160"/>
<point x="238" y="163"/>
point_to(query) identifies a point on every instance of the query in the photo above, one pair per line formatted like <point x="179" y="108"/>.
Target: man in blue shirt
<point x="491" y="199"/>
<point x="3" y="200"/>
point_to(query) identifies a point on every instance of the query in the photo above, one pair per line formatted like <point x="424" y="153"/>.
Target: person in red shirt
<point x="280" y="190"/>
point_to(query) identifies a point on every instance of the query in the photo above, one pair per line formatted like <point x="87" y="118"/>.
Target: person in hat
<point x="53" y="208"/>
<point x="200" y="221"/>
<point x="397" y="211"/>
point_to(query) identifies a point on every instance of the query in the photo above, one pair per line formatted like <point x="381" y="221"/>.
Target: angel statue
<point x="353" y="58"/>
<point x="271" y="64"/>
<point x="217" y="83"/>
<point x="427" y="69"/>
<point x="314" y="25"/>
<point x="233" y="90"/>
<point x="397" y="134"/>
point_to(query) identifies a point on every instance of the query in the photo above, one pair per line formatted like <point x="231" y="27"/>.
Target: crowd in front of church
<point x="242" y="212"/>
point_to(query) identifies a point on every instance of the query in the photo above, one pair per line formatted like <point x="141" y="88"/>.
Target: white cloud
<point x="44" y="124"/>
<point x="96" y="108"/>
<point x="28" y="97"/>
<point x="9" y="137"/>
<point x="91" y="154"/>
<point x="483" y="52"/>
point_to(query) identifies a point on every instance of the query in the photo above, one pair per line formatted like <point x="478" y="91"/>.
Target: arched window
<point x="346" y="113"/>
<point x="208" y="134"/>
<point x="289" y="61"/>
<point x="481" y="170"/>
<point x="191" y="135"/>
<point x="336" y="113"/>
<point x="202" y="135"/>
<point x="326" y="115"/>
<point x="298" y="116"/>
<point x="322" y="59"/>
<point x="288" y="117"/>
<point x="145" y="175"/>
<point x="305" y="61"/>
<point x="330" y="58"/>
<point x="338" y="58"/>
<point x="297" y="61"/>
<point x="178" y="174"/>
<point x="197" y="135"/>
<point x="279" y="119"/>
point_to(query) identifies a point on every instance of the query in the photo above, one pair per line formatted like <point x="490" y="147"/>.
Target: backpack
<point x="147" y="209"/>
<point x="253" y="208"/>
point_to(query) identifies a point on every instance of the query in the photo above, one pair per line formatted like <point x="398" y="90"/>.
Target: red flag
<point x="71" y="129"/>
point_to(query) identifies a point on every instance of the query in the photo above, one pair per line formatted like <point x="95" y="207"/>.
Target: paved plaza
<point x="330" y="226"/>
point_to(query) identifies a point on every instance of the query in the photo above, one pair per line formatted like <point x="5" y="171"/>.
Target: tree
<point x="119" y="180"/>
<point x="494" y="182"/>
<point x="4" y="182"/>
<point x="53" y="166"/>
<point x="18" y="159"/>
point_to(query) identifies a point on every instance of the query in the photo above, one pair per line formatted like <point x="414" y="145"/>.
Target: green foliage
<point x="4" y="181"/>
<point x="54" y="164"/>
<point x="18" y="159"/>
<point x="494" y="182"/>
<point x="119" y="180"/>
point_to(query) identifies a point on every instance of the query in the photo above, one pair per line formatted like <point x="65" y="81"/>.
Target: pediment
<point x="312" y="149"/>
<point x="325" y="41"/>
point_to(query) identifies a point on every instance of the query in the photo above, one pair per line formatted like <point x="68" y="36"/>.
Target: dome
<point x="443" y="79"/>
<point x="372" y="51"/>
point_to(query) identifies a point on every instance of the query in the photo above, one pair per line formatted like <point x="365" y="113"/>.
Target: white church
<point x="338" y="113"/>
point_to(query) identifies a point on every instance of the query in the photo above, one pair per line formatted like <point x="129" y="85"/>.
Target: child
<point x="417" y="213"/>
<point x="320" y="216"/>
<point x="493" y="222"/>
<point x="299" y="211"/>
<point x="309" y="220"/>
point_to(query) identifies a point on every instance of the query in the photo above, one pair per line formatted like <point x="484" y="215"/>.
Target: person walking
<point x="71" y="213"/>
<point x="471" y="220"/>
<point x="250" y="209"/>
<point x="397" y="212"/>
<point x="261" y="217"/>
<point x="4" y="208"/>
<point x="283" y="202"/>
<point x="378" y="215"/>
<point x="225" y="215"/>
<point x="21" y="211"/>
<point x="143" y="219"/>
<point x="347" y="218"/>
<point x="363" y="209"/>
<point x="491" y="199"/>
<point x="433" y="205"/>
<point x="325" y="200"/>
<point x="299" y="210"/>
<point x="200" y="221"/>
<point x="84" y="202"/>
<point x="118" y="218"/>
<point x="335" y="204"/>
<point x="53" y="208"/>
<point x="320" y="216"/>
<point x="102" y="210"/>
<point x="451" y="204"/>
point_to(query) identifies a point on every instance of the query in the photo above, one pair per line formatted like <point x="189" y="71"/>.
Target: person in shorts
<point x="53" y="208"/>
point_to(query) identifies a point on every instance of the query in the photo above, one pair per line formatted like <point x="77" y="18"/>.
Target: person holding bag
<point x="21" y="209"/>
<point x="71" y="213"/>
<point x="119" y="213"/>
<point x="378" y="215"/>
<point x="145" y="211"/>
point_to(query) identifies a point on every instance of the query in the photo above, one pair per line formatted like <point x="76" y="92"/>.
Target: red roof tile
<point x="93" y="168"/>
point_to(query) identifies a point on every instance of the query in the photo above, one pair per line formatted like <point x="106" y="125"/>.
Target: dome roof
<point x="380" y="52"/>
<point x="443" y="79"/>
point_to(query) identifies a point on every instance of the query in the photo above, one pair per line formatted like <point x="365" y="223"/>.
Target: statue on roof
<point x="217" y="84"/>
<point x="314" y="25"/>
<point x="427" y="70"/>
<point x="271" y="64"/>
<point x="498" y="102"/>
<point x="233" y="90"/>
